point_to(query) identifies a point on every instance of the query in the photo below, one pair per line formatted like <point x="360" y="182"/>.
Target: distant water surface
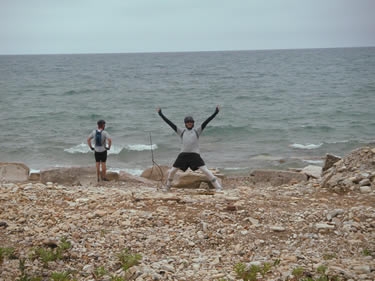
<point x="279" y="109"/>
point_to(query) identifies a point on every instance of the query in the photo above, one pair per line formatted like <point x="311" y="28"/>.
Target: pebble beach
<point x="189" y="234"/>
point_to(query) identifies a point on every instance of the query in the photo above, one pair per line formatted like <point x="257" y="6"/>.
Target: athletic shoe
<point x="219" y="189"/>
<point x="166" y="188"/>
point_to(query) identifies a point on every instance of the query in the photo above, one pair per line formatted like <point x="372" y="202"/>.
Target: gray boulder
<point x="330" y="161"/>
<point x="312" y="171"/>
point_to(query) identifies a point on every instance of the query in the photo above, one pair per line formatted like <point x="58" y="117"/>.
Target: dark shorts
<point x="187" y="160"/>
<point x="101" y="156"/>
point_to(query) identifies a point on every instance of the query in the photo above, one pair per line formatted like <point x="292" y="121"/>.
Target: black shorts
<point x="187" y="160"/>
<point x="101" y="156"/>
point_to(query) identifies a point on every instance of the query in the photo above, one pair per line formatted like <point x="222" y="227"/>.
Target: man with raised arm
<point x="189" y="156"/>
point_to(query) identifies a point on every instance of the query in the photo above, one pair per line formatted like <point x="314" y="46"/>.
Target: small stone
<point x="88" y="268"/>
<point x="50" y="243"/>
<point x="324" y="226"/>
<point x="100" y="213"/>
<point x="365" y="189"/>
<point x="3" y="224"/>
<point x="362" y="269"/>
<point x="252" y="221"/>
<point x="364" y="182"/>
<point x="191" y="244"/>
<point x="334" y="213"/>
<point x="21" y="220"/>
<point x="277" y="228"/>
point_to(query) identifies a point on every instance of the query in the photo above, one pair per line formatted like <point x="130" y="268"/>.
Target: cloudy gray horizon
<point x="126" y="26"/>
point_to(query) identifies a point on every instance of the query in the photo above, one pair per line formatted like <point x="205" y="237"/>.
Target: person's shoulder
<point x="180" y="131"/>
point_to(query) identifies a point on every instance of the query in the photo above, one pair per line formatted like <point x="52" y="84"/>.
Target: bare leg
<point x="104" y="171"/>
<point x="211" y="177"/>
<point x="98" y="170"/>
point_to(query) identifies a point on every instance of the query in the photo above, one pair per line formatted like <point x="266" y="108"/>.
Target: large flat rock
<point x="14" y="172"/>
<point x="193" y="179"/>
<point x="69" y="175"/>
<point x="187" y="179"/>
<point x="312" y="171"/>
<point x="156" y="173"/>
<point x="126" y="177"/>
<point x="276" y="177"/>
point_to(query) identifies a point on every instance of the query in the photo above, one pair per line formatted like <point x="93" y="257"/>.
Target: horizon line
<point x="186" y="51"/>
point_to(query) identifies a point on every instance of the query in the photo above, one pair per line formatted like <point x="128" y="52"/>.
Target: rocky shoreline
<point x="194" y="233"/>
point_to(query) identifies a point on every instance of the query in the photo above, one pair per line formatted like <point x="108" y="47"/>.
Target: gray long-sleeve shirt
<point x="189" y="138"/>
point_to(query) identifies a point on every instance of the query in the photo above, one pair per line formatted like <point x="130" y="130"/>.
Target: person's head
<point x="189" y="122"/>
<point x="101" y="124"/>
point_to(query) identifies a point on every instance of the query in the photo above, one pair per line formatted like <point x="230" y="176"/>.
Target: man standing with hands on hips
<point x="189" y="156"/>
<point x="103" y="143"/>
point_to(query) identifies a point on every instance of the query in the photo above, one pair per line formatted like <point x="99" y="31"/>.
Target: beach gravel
<point x="131" y="230"/>
<point x="188" y="234"/>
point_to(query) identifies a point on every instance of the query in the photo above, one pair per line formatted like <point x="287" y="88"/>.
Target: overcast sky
<point x="121" y="26"/>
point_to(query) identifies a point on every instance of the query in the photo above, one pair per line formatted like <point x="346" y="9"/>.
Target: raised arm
<point x="204" y="124"/>
<point x="169" y="122"/>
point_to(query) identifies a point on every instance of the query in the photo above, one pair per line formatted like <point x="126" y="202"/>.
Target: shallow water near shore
<point x="279" y="109"/>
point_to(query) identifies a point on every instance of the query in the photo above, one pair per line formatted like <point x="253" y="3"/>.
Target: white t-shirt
<point x="105" y="136"/>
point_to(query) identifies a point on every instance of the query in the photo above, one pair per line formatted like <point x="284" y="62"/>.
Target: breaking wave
<point x="83" y="148"/>
<point x="306" y="146"/>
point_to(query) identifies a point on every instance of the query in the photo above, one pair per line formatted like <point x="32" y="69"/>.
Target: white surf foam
<point x="317" y="162"/>
<point x="134" y="172"/>
<point x="306" y="146"/>
<point x="80" y="148"/>
<point x="84" y="148"/>
<point x="141" y="147"/>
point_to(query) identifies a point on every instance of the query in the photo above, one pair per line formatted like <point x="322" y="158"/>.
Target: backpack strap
<point x="196" y="133"/>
